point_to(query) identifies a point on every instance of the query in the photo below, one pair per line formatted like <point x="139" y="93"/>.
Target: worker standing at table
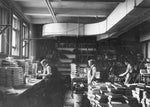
<point x="91" y="71"/>
<point x="128" y="72"/>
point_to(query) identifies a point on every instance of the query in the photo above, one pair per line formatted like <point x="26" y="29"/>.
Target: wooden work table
<point x="111" y="95"/>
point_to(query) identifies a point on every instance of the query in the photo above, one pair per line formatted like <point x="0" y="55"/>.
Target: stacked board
<point x="11" y="76"/>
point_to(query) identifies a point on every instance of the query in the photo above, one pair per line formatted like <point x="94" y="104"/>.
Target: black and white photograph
<point x="74" y="53"/>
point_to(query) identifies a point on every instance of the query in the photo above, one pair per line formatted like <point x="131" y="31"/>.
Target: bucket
<point x="78" y="100"/>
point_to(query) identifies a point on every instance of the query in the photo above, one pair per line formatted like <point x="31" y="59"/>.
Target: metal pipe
<point x="50" y="9"/>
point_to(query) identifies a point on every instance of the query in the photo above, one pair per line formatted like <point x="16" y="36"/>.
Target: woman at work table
<point x="91" y="71"/>
<point x="128" y="72"/>
<point x="46" y="69"/>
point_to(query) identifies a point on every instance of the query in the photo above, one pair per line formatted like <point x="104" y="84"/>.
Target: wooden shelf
<point x="71" y="56"/>
<point x="66" y="49"/>
<point x="83" y="65"/>
<point x="65" y="60"/>
<point x="64" y="69"/>
<point x="87" y="49"/>
<point x="65" y="73"/>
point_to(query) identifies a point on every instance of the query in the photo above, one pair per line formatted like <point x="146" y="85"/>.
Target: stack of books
<point x="148" y="101"/>
<point x="103" y="90"/>
<point x="131" y="100"/>
<point x="115" y="98"/>
<point x="101" y="98"/>
<point x="95" y="91"/>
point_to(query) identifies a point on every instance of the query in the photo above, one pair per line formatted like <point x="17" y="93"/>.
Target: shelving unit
<point x="65" y="48"/>
<point x="75" y="50"/>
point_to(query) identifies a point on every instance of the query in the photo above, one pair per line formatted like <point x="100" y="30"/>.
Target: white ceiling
<point x="67" y="11"/>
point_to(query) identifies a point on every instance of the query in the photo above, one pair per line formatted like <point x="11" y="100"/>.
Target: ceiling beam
<point x="83" y="20"/>
<point x="27" y="0"/>
<point x="41" y="20"/>
<point x="67" y="12"/>
<point x="51" y="10"/>
<point x="80" y="0"/>
<point x="96" y="0"/>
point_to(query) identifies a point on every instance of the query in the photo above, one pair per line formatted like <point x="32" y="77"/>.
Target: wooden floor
<point x="69" y="101"/>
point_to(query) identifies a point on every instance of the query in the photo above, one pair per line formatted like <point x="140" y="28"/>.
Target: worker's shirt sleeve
<point x="93" y="73"/>
<point x="49" y="70"/>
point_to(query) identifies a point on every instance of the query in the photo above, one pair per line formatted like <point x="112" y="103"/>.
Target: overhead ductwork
<point x="63" y="29"/>
<point x="125" y="16"/>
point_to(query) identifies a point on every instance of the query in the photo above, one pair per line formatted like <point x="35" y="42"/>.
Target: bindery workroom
<point x="74" y="53"/>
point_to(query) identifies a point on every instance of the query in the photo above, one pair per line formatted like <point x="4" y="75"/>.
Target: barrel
<point x="78" y="100"/>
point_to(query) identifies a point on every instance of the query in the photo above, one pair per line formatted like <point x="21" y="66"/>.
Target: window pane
<point x="15" y="36"/>
<point x="0" y="43"/>
<point x="25" y="41"/>
<point x="14" y="39"/>
<point x="4" y="15"/>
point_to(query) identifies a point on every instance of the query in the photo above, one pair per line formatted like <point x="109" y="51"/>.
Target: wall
<point x="145" y="38"/>
<point x="41" y="47"/>
<point x="125" y="45"/>
<point x="36" y="32"/>
<point x="131" y="41"/>
<point x="140" y="34"/>
<point x="144" y="31"/>
<point x="32" y="42"/>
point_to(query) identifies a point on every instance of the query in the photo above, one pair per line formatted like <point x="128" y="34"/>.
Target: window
<point x="25" y="43"/>
<point x="4" y="19"/>
<point x="15" y="36"/>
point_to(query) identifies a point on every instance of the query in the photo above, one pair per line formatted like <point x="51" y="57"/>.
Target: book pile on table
<point x="101" y="98"/>
<point x="115" y="95"/>
<point x="103" y="90"/>
<point x="147" y="101"/>
<point x="115" y="98"/>
<point x="95" y="90"/>
<point x="131" y="100"/>
<point x="138" y="93"/>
